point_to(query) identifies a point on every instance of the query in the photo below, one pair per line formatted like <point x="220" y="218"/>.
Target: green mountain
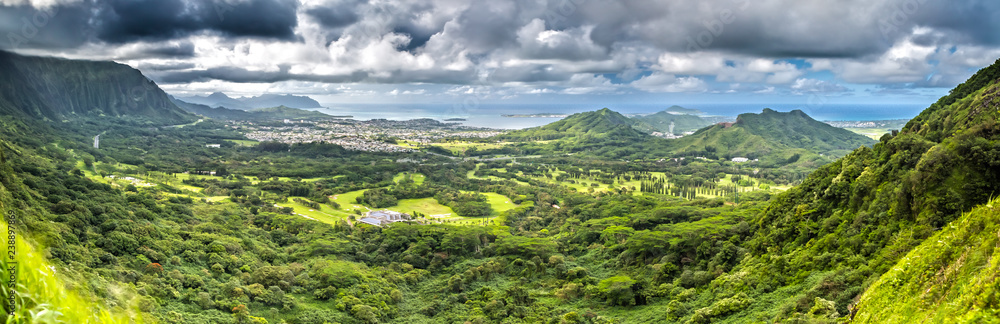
<point x="58" y="89"/>
<point x="774" y="137"/>
<point x="259" y="114"/>
<point x="682" y="121"/>
<point x="219" y="99"/>
<point x="592" y="125"/>
<point x="855" y="220"/>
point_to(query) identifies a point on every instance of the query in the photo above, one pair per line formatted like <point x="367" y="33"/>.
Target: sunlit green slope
<point x="41" y="294"/>
<point x="953" y="277"/>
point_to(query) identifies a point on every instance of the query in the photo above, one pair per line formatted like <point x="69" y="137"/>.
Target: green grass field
<point x="348" y="201"/>
<point x="461" y="147"/>
<point x="873" y="133"/>
<point x="427" y="206"/>
<point x="325" y="214"/>
<point x="416" y="177"/>
<point x="498" y="202"/>
<point x="243" y="142"/>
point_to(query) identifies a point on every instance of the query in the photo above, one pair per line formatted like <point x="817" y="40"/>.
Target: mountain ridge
<point x="57" y="89"/>
<point x="219" y="99"/>
<point x="683" y="119"/>
<point x="256" y="114"/>
<point x="772" y="136"/>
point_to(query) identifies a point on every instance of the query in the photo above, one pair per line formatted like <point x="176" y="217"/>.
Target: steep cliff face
<point x="58" y="89"/>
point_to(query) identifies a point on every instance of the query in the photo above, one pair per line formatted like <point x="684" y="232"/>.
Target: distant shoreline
<point x="541" y="115"/>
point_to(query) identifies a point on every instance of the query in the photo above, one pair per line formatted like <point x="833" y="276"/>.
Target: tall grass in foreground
<point x="952" y="277"/>
<point x="42" y="296"/>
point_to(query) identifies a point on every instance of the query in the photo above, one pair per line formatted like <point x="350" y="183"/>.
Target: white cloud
<point x="904" y="62"/>
<point x="41" y="4"/>
<point x="572" y="44"/>
<point x="661" y="82"/>
<point x="802" y="86"/>
<point x="729" y="68"/>
<point x="502" y="49"/>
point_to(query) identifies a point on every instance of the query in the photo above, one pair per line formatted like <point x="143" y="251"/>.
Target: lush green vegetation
<point x="949" y="278"/>
<point x="271" y="236"/>
<point x="791" y="140"/>
<point x="773" y="137"/>
<point x="684" y="120"/>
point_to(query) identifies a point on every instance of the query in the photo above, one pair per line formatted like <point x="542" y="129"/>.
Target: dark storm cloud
<point x="229" y="73"/>
<point x="975" y="21"/>
<point x="179" y="50"/>
<point x="334" y="17"/>
<point x="773" y="28"/>
<point x="165" y="67"/>
<point x="54" y="28"/>
<point x="542" y="41"/>
<point x="488" y="26"/>
<point x="530" y="73"/>
<point x="130" y="20"/>
<point x="850" y="28"/>
<point x="125" y="21"/>
<point x="241" y="75"/>
<point x="417" y="36"/>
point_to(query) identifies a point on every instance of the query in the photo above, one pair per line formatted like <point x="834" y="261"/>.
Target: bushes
<point x="465" y="204"/>
<point x="377" y="198"/>
<point x="722" y="307"/>
<point x="618" y="290"/>
<point x="525" y="247"/>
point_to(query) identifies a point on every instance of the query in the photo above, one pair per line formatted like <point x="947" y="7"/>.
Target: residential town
<point x="377" y="135"/>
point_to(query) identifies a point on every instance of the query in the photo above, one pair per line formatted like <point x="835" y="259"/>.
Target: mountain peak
<point x="605" y="123"/>
<point x="769" y="133"/>
<point x="218" y="95"/>
<point x="219" y="99"/>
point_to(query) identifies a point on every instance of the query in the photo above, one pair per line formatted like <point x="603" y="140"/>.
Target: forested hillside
<point x="853" y="219"/>
<point x="597" y="125"/>
<point x="774" y="137"/>
<point x="683" y="119"/>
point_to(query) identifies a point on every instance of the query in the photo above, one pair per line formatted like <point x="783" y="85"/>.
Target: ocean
<point x="489" y="115"/>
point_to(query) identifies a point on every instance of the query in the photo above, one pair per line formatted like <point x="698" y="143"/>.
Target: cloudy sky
<point x="532" y="51"/>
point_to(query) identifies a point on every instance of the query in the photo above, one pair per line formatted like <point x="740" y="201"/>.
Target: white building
<point x="384" y="217"/>
<point x="740" y="159"/>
